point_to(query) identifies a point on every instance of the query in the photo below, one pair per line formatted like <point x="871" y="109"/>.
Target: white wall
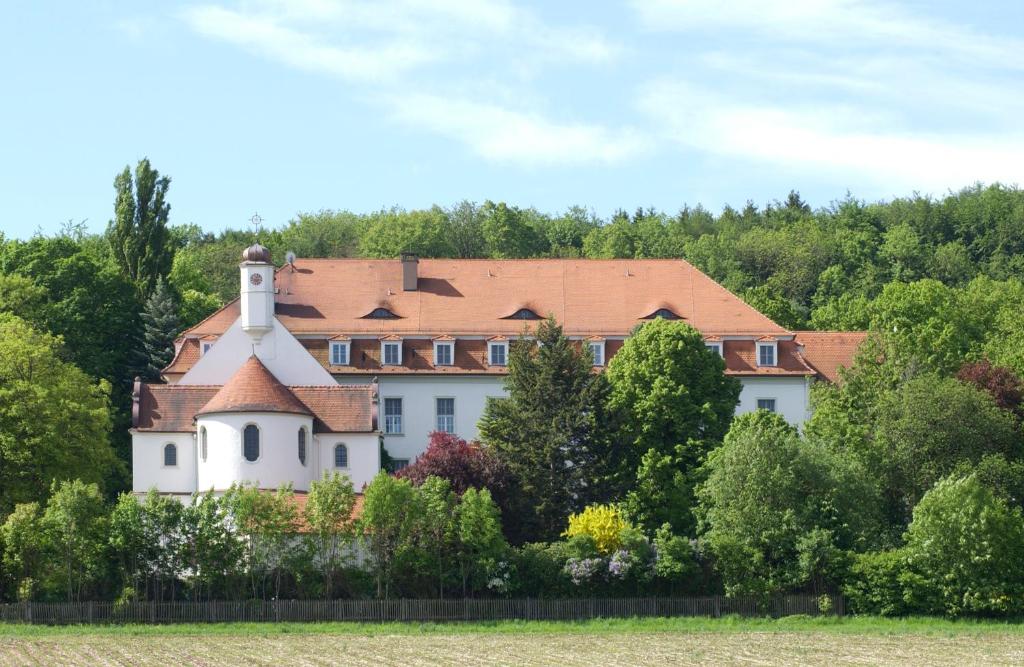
<point x="279" y="350"/>
<point x="148" y="468"/>
<point x="363" y="456"/>
<point x="278" y="462"/>
<point x="791" y="396"/>
<point x="418" y="394"/>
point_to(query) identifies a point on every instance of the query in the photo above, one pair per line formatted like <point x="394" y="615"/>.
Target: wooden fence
<point x="59" y="613"/>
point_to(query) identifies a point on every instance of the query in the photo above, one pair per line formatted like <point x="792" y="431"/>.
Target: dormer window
<point x="339" y="352"/>
<point x="714" y="346"/>
<point x="523" y="314"/>
<point x="597" y="351"/>
<point x="391" y="352"/>
<point x="766" y="354"/>
<point x="662" y="313"/>
<point x="204" y="346"/>
<point x="381" y="314"/>
<point x="444" y="352"/>
<point x="497" y="353"/>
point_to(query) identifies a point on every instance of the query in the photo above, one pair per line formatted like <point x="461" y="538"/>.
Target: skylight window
<point x="523" y="314"/>
<point x="381" y="314"/>
<point x="662" y="313"/>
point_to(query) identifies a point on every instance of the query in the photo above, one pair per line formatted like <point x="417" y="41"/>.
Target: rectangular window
<point x="766" y="404"/>
<point x="391" y="352"/>
<point x="765" y="354"/>
<point x="443" y="353"/>
<point x="714" y="347"/>
<point x="498" y="353"/>
<point x="392" y="415"/>
<point x="597" y="350"/>
<point x="339" y="354"/>
<point x="206" y="346"/>
<point x="446" y="415"/>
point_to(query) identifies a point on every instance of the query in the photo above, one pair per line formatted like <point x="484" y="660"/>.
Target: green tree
<point x="75" y="524"/>
<point x="138" y="234"/>
<point x="24" y="548"/>
<point x="386" y="525"/>
<point x="328" y="517"/>
<point x="967" y="548"/>
<point x="437" y="526"/>
<point x="396" y="231"/>
<point x="773" y="504"/>
<point x="552" y="432"/>
<point x="160" y="328"/>
<point x="266" y="524"/>
<point x="54" y="420"/>
<point x="506" y="233"/>
<point x="676" y="403"/>
<point x="481" y="543"/>
<point x="210" y="550"/>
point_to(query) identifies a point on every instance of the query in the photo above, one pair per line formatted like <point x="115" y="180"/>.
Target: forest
<point x="905" y="491"/>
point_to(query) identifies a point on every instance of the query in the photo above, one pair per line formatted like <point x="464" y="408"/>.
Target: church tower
<point x="257" y="293"/>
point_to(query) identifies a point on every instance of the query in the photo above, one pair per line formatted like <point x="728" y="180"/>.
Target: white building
<point x="312" y="352"/>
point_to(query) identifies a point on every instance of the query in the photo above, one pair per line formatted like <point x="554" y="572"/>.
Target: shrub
<point x="603" y="523"/>
<point x="967" y="547"/>
<point x="876" y="584"/>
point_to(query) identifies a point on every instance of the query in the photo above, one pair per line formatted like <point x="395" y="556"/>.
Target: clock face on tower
<point x="255" y="279"/>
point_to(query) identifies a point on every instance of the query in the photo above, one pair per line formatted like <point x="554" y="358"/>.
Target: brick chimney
<point x="410" y="272"/>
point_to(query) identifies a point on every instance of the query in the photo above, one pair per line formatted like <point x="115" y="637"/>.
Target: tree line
<point x="638" y="479"/>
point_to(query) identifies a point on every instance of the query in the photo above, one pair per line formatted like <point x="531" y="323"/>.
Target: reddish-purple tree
<point x="464" y="464"/>
<point x="1001" y="383"/>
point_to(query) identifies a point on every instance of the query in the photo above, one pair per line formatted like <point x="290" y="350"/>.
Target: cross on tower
<point x="255" y="221"/>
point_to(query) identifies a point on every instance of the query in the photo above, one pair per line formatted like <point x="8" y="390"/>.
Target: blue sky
<point x="281" y="107"/>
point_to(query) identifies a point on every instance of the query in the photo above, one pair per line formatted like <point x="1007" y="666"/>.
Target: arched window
<point x="340" y="456"/>
<point x="202" y="443"/>
<point x="523" y="314"/>
<point x="170" y="454"/>
<point x="302" y="446"/>
<point x="251" y="442"/>
<point x="381" y="314"/>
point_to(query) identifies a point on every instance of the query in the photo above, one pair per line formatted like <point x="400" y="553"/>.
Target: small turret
<point x="257" y="293"/>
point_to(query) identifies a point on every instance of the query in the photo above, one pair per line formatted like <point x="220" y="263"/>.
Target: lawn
<point x="648" y="642"/>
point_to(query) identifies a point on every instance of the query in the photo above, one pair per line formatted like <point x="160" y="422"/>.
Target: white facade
<point x="419" y="394"/>
<point x="149" y="471"/>
<point x="278" y="349"/>
<point x="791" y="395"/>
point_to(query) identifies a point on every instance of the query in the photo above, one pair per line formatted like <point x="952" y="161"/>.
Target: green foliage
<point x="160" y="328"/>
<point x="876" y="584"/>
<point x="24" y="548"/>
<point x="138" y="234"/>
<point x="75" y="527"/>
<point x="555" y="414"/>
<point x="265" y="523"/>
<point x="481" y="544"/>
<point x="675" y="404"/>
<point x="386" y="525"/>
<point x="776" y="510"/>
<point x="331" y="529"/>
<point x="967" y="548"/>
<point x="54" y="420"/>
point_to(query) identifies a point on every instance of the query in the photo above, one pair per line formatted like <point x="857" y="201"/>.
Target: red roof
<point x="828" y="351"/>
<point x="253" y="388"/>
<point x="475" y="296"/>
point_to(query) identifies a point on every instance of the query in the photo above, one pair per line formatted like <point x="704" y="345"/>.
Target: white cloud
<point x="835" y="24"/>
<point x="268" y="37"/>
<point x="831" y="139"/>
<point x="501" y="134"/>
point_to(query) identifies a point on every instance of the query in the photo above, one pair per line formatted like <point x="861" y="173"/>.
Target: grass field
<point x="648" y="642"/>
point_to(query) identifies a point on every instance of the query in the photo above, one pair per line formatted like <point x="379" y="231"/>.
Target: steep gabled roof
<point x="475" y="297"/>
<point x="253" y="388"/>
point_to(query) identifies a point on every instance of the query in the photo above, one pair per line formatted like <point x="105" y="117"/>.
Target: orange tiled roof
<point x="473" y="297"/>
<point x="253" y="388"/>
<point x="828" y="351"/>
<point x="173" y="408"/>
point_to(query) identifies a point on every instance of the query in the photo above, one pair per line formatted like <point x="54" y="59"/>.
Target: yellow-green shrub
<point x="603" y="523"/>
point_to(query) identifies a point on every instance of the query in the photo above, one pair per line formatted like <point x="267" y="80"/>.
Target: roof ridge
<point x="208" y="317"/>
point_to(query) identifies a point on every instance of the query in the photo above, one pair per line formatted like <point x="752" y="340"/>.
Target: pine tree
<point x="160" y="326"/>
<point x="552" y="432"/>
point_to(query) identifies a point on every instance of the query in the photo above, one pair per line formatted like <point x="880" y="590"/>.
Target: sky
<point x="280" y="107"/>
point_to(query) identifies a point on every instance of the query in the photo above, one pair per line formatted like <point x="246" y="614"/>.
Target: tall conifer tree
<point x="160" y="326"/>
